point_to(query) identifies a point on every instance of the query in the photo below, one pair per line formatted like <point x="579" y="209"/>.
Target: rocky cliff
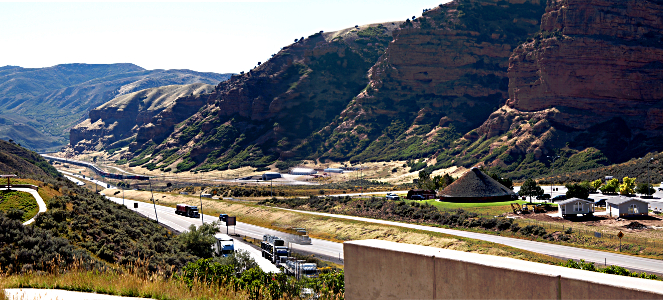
<point x="255" y="118"/>
<point x="115" y="123"/>
<point x="591" y="81"/>
<point x="443" y="75"/>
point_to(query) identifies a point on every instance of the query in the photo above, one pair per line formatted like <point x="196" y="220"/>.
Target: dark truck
<point x="273" y="249"/>
<point x="187" y="211"/>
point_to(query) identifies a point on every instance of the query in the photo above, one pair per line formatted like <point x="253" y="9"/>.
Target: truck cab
<point x="224" y="245"/>
<point x="192" y="211"/>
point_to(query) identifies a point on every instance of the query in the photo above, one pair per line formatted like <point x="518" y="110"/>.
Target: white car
<point x="392" y="196"/>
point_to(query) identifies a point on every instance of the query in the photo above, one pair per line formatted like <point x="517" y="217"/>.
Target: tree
<point x="627" y="187"/>
<point x="425" y="182"/>
<point x="577" y="191"/>
<point x="596" y="184"/>
<point x="610" y="187"/>
<point x="507" y="182"/>
<point x="530" y="188"/>
<point x="199" y="240"/>
<point x="645" y="189"/>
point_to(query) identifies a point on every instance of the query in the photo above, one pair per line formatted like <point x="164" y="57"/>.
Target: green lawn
<point x="21" y="200"/>
<point x="483" y="208"/>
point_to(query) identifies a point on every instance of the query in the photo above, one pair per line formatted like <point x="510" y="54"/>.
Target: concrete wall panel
<point x="377" y="269"/>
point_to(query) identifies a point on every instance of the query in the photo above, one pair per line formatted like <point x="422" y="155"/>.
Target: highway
<point x="599" y="257"/>
<point x="167" y="216"/>
<point x="331" y="249"/>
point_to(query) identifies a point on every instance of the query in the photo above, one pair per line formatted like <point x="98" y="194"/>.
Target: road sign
<point x="620" y="235"/>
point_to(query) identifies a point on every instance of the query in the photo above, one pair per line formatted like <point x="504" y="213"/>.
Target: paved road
<point x="40" y="202"/>
<point x="599" y="257"/>
<point x="566" y="252"/>
<point x="168" y="217"/>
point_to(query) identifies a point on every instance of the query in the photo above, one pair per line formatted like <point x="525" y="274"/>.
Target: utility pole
<point x="651" y="160"/>
<point x="553" y="173"/>
<point x="201" y="206"/>
<point x="153" y="202"/>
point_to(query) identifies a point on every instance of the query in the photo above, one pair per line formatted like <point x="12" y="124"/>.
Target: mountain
<point x="40" y="105"/>
<point x="255" y="118"/>
<point x="518" y="87"/>
<point x="587" y="88"/>
<point x="113" y="124"/>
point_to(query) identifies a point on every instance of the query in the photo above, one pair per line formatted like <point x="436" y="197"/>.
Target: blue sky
<point x="218" y="37"/>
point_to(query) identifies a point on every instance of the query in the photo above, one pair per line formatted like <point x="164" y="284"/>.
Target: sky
<point x="221" y="37"/>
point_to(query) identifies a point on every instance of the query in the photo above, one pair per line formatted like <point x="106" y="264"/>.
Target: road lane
<point x="598" y="257"/>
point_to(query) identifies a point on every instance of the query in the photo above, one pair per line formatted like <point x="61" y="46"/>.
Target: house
<point x="575" y="206"/>
<point x="334" y="170"/>
<point x="622" y="207"/>
<point x="476" y="186"/>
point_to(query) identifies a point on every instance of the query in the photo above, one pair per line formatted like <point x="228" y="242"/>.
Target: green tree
<point x="610" y="187"/>
<point x="199" y="240"/>
<point x="425" y="182"/>
<point x="442" y="182"/>
<point x="577" y="191"/>
<point x="530" y="188"/>
<point x="627" y="187"/>
<point x="507" y="182"/>
<point x="645" y="189"/>
<point x="595" y="184"/>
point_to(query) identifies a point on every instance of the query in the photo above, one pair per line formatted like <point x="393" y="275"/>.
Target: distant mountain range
<point x="519" y="87"/>
<point x="38" y="106"/>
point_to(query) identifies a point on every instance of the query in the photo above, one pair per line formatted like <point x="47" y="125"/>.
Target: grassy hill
<point x="42" y="104"/>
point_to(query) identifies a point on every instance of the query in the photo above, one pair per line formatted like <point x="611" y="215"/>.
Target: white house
<point x="575" y="206"/>
<point x="620" y="207"/>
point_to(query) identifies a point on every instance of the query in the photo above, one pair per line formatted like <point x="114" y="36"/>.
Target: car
<point x="543" y="197"/>
<point x="417" y="197"/>
<point x="600" y="202"/>
<point x="391" y="196"/>
<point x="559" y="198"/>
<point x="223" y="217"/>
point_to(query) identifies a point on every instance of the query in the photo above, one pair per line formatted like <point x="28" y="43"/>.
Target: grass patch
<point x="127" y="284"/>
<point x="19" y="200"/>
<point x="485" y="208"/>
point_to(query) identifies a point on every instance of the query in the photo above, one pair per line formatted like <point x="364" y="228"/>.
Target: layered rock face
<point x="120" y="118"/>
<point x="445" y="71"/>
<point x="592" y="78"/>
<point x="255" y="118"/>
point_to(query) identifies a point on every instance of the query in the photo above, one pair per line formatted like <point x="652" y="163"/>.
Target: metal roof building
<point x="302" y="171"/>
<point x="575" y="206"/>
<point x="623" y="207"/>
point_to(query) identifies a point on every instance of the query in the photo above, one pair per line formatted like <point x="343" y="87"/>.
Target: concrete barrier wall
<point x="376" y="269"/>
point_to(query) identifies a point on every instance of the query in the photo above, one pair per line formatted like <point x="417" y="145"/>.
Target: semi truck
<point x="300" y="268"/>
<point x="224" y="245"/>
<point x="187" y="211"/>
<point x="273" y="248"/>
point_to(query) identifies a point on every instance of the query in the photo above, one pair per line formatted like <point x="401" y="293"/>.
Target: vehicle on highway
<point x="273" y="248"/>
<point x="543" y="197"/>
<point x="300" y="268"/>
<point x="187" y="211"/>
<point x="559" y="198"/>
<point x="392" y="196"/>
<point x="224" y="245"/>
<point x="223" y="217"/>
